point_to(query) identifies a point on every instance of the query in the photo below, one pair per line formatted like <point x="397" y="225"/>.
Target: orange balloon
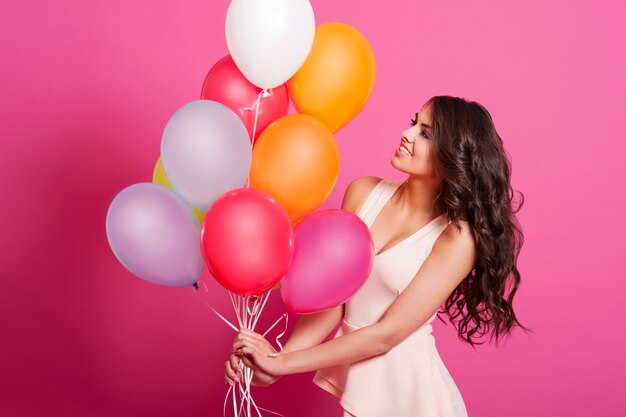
<point x="296" y="160"/>
<point x="337" y="78"/>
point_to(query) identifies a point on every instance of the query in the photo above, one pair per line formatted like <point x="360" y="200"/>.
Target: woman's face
<point x="413" y="154"/>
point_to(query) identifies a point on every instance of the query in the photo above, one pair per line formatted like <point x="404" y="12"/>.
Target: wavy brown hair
<point x="476" y="170"/>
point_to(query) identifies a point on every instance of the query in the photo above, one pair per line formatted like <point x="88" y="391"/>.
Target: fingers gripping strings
<point x="248" y="311"/>
<point x="248" y="318"/>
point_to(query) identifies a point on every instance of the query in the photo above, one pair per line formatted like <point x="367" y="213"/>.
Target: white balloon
<point x="269" y="40"/>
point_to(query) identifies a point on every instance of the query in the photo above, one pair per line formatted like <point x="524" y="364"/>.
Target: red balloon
<point x="247" y="241"/>
<point x="227" y="85"/>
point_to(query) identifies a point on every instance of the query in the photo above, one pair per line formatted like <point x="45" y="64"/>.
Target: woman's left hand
<point x="261" y="351"/>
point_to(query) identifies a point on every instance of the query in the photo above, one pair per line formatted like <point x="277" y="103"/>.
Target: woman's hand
<point x="234" y="373"/>
<point x="262" y="353"/>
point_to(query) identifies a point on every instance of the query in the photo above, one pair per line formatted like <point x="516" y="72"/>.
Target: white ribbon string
<point x="265" y="296"/>
<point x="235" y="301"/>
<point x="248" y="310"/>
<point x="283" y="316"/>
<point x="215" y="311"/>
<point x="263" y="93"/>
<point x="275" y="323"/>
<point x="246" y="401"/>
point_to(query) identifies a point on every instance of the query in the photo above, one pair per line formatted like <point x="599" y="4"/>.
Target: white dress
<point x="410" y="380"/>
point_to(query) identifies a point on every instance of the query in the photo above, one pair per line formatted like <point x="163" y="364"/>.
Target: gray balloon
<point x="155" y="235"/>
<point x="206" y="151"/>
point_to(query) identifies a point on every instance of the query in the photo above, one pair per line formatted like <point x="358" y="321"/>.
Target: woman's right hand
<point x="232" y="370"/>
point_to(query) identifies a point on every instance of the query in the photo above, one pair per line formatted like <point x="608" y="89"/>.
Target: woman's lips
<point x="400" y="152"/>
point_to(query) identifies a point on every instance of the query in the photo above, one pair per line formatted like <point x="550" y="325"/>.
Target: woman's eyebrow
<point x="423" y="124"/>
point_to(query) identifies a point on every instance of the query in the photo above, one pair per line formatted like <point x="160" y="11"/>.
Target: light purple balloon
<point x="332" y="259"/>
<point x="155" y="235"/>
<point x="206" y="151"/>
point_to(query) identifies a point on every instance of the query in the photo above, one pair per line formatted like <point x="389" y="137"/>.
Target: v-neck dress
<point x="410" y="380"/>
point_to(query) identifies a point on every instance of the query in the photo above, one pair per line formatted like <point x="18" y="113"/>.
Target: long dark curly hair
<point x="476" y="170"/>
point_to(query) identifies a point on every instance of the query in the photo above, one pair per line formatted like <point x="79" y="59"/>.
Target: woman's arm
<point x="451" y="259"/>
<point x="312" y="329"/>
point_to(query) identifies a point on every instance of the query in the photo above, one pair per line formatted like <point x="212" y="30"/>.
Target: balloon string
<point x="250" y="400"/>
<point x="283" y="332"/>
<point x="256" y="115"/>
<point x="269" y="411"/>
<point x="226" y="400"/>
<point x="248" y="393"/>
<point x="253" y="314"/>
<point x="264" y="299"/>
<point x="244" y="311"/>
<point x="283" y="316"/>
<point x="234" y="298"/>
<point x="215" y="311"/>
<point x="248" y="317"/>
<point x="275" y="323"/>
<point x="246" y="398"/>
<point x="263" y="93"/>
<point x="280" y="347"/>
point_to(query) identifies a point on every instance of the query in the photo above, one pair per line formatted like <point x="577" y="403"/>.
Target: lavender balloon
<point x="155" y="235"/>
<point x="206" y="152"/>
<point x="332" y="259"/>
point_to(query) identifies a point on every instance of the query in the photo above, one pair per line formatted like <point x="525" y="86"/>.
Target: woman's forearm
<point x="352" y="347"/>
<point x="311" y="329"/>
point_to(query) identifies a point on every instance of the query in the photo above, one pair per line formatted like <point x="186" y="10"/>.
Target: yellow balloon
<point x="296" y="160"/>
<point x="159" y="177"/>
<point x="337" y="78"/>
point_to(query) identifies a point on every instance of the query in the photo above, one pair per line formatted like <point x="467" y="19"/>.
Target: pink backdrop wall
<point x="87" y="88"/>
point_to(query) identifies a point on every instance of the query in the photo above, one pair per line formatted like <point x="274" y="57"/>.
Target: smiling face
<point x="413" y="154"/>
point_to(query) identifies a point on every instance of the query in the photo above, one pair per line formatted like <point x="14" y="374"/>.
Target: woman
<point x="445" y="236"/>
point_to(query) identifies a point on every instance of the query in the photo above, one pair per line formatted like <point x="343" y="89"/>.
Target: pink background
<point x="87" y="88"/>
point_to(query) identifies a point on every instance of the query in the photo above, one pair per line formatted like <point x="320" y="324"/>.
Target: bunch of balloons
<point x="238" y="180"/>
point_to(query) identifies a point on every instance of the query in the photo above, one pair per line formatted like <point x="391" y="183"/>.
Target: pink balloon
<point x="227" y="85"/>
<point x="247" y="241"/>
<point x="333" y="257"/>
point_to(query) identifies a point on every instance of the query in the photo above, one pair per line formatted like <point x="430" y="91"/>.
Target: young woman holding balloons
<point x="445" y="237"/>
<point x="240" y="176"/>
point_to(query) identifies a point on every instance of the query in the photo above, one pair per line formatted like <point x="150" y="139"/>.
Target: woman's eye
<point x="423" y="133"/>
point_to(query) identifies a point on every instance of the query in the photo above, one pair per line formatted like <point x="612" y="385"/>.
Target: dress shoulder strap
<point x="376" y="200"/>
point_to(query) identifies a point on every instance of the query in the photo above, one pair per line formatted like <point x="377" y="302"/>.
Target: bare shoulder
<point x="460" y="242"/>
<point x="357" y="191"/>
